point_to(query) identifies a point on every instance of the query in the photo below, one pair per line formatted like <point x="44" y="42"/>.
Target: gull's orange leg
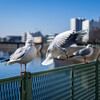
<point x="85" y="60"/>
<point x="25" y="67"/>
<point x="20" y="68"/>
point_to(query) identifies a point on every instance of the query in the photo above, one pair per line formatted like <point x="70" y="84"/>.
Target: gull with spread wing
<point x="60" y="44"/>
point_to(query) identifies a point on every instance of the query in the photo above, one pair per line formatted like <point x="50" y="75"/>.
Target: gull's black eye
<point x="30" y="42"/>
<point x="64" y="51"/>
<point x="48" y="51"/>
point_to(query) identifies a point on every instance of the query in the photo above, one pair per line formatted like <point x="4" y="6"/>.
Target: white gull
<point x="85" y="52"/>
<point x="24" y="54"/>
<point x="60" y="44"/>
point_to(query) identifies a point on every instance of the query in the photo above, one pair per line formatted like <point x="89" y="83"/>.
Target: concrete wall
<point x="76" y="60"/>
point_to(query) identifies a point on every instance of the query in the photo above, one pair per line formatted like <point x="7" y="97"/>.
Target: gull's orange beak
<point x="94" y="47"/>
<point x="33" y="44"/>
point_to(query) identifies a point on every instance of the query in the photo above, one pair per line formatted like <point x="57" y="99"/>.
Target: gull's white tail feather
<point x="10" y="62"/>
<point x="47" y="61"/>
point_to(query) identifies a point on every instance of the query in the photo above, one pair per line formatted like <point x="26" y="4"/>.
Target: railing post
<point x="73" y="83"/>
<point x="26" y="87"/>
<point x="96" y="90"/>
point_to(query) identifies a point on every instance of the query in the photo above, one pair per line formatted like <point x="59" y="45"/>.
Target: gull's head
<point x="30" y="43"/>
<point x="89" y="45"/>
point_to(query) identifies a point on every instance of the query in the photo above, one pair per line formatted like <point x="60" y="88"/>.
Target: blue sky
<point x="47" y="16"/>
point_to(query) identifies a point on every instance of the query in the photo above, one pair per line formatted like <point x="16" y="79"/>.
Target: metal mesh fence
<point x="76" y="82"/>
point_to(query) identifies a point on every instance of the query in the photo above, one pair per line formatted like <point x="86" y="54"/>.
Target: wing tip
<point x="47" y="62"/>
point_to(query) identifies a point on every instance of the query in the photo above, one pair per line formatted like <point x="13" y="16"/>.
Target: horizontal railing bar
<point x="85" y="67"/>
<point x="85" y="76"/>
<point x="89" y="85"/>
<point x="81" y="89"/>
<point x="67" y="98"/>
<point x="64" y="68"/>
<point x="60" y="90"/>
<point x="59" y="86"/>
<point x="87" y="97"/>
<point x="85" y="92"/>
<point x="54" y="93"/>
<point x="68" y="84"/>
<point x="99" y="78"/>
<point x="89" y="81"/>
<point x="50" y="79"/>
<point x="59" y="96"/>
<point x="85" y="72"/>
<point x="11" y="79"/>
<point x="99" y="84"/>
<point x="99" y="73"/>
<point x="99" y="92"/>
<point x="46" y="72"/>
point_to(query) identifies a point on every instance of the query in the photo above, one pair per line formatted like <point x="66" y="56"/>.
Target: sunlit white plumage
<point x="24" y="54"/>
<point x="59" y="45"/>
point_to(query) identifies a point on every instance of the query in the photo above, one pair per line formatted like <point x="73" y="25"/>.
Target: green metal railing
<point x="76" y="82"/>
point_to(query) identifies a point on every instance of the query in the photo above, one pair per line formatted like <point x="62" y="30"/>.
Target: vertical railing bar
<point x="0" y="92"/>
<point x="22" y="94"/>
<point x="11" y="91"/>
<point x="14" y="91"/>
<point x="73" y="83"/>
<point x="4" y="91"/>
<point x="96" y="79"/>
<point x="26" y="87"/>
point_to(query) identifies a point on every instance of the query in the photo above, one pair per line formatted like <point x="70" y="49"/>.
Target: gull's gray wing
<point x="60" y="40"/>
<point x="66" y="39"/>
<point x="84" y="51"/>
<point x="19" y="53"/>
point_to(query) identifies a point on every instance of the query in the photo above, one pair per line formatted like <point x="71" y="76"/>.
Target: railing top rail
<point x="11" y="79"/>
<point x="64" y="68"/>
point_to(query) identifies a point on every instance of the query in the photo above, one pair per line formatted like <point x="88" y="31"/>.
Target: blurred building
<point x="3" y="39"/>
<point x="37" y="37"/>
<point x="50" y="38"/>
<point x="12" y="39"/>
<point x="76" y="24"/>
<point x="24" y="37"/>
<point x="93" y="28"/>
